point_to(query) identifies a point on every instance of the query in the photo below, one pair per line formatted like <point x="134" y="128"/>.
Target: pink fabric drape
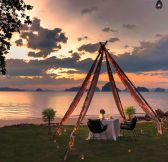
<point x="114" y="90"/>
<point x="80" y="92"/>
<point x="90" y="93"/>
<point x="85" y="107"/>
<point x="91" y="89"/>
<point x="135" y="94"/>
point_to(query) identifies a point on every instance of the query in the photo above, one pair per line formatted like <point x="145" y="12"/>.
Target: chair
<point x="130" y="126"/>
<point x="96" y="126"/>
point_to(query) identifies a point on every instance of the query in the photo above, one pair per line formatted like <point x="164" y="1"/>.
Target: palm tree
<point x="48" y="115"/>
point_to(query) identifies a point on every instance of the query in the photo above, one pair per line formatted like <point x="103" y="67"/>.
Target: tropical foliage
<point x="48" y="115"/>
<point x="12" y="18"/>
<point x="130" y="111"/>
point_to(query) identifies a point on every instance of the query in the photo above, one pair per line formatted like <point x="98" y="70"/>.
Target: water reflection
<point x="19" y="105"/>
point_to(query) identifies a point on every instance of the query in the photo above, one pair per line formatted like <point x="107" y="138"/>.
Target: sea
<point x="23" y="105"/>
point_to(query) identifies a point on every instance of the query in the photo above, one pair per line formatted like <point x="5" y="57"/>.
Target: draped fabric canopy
<point x="92" y="78"/>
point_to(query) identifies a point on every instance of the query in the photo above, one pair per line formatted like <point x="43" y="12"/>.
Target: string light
<point x="82" y="157"/>
<point x="141" y="131"/>
<point x="159" y="4"/>
<point x="129" y="150"/>
<point x="58" y="147"/>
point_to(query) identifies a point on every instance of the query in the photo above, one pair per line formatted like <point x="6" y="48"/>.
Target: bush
<point x="130" y="111"/>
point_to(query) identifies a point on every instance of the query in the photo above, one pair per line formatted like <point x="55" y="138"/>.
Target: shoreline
<point x="39" y="121"/>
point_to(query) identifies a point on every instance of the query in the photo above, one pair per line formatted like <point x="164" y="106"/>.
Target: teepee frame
<point x="95" y="71"/>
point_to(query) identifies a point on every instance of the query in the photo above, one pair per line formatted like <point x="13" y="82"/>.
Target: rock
<point x="159" y="90"/>
<point x="107" y="88"/>
<point x="39" y="90"/>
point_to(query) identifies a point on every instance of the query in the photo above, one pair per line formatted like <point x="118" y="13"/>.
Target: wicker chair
<point x="96" y="126"/>
<point x="129" y="126"/>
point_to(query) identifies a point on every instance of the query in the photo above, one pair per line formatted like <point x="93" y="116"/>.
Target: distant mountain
<point x="142" y="89"/>
<point x="107" y="88"/>
<point x="10" y="89"/>
<point x="159" y="90"/>
<point x="29" y="90"/>
<point x="74" y="89"/>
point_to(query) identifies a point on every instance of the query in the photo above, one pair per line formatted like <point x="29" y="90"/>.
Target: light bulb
<point x="58" y="147"/>
<point x="129" y="150"/>
<point x="159" y="4"/>
<point x="82" y="157"/>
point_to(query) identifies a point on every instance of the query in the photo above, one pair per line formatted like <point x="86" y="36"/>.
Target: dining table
<point x="111" y="133"/>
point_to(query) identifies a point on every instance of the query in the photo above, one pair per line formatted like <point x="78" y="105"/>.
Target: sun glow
<point x="29" y="77"/>
<point x="69" y="73"/>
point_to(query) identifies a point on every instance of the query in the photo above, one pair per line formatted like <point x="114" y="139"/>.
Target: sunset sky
<point x="57" y="51"/>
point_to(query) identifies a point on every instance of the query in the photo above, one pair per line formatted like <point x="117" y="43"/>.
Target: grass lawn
<point x="29" y="143"/>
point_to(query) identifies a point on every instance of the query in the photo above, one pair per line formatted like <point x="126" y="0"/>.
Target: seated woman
<point x="102" y="114"/>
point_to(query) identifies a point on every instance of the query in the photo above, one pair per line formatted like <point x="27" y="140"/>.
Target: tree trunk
<point x="49" y="126"/>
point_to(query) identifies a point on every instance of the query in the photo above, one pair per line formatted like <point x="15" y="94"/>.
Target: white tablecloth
<point x="112" y="131"/>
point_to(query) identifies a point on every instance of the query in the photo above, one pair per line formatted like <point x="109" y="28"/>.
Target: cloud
<point x="126" y="46"/>
<point x="82" y="38"/>
<point x="19" y="42"/>
<point x="113" y="14"/>
<point x="42" y="39"/>
<point x="71" y="51"/>
<point x="91" y="47"/>
<point x="147" y="57"/>
<point x="20" y="67"/>
<point x="112" y="40"/>
<point x="88" y="10"/>
<point x="38" y="54"/>
<point x="76" y="56"/>
<point x="159" y="35"/>
<point x="129" y="26"/>
<point x="108" y="29"/>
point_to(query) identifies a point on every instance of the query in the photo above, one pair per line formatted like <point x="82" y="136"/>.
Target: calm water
<point x="18" y="105"/>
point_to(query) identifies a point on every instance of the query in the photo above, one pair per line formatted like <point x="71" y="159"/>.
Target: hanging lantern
<point x="159" y="4"/>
